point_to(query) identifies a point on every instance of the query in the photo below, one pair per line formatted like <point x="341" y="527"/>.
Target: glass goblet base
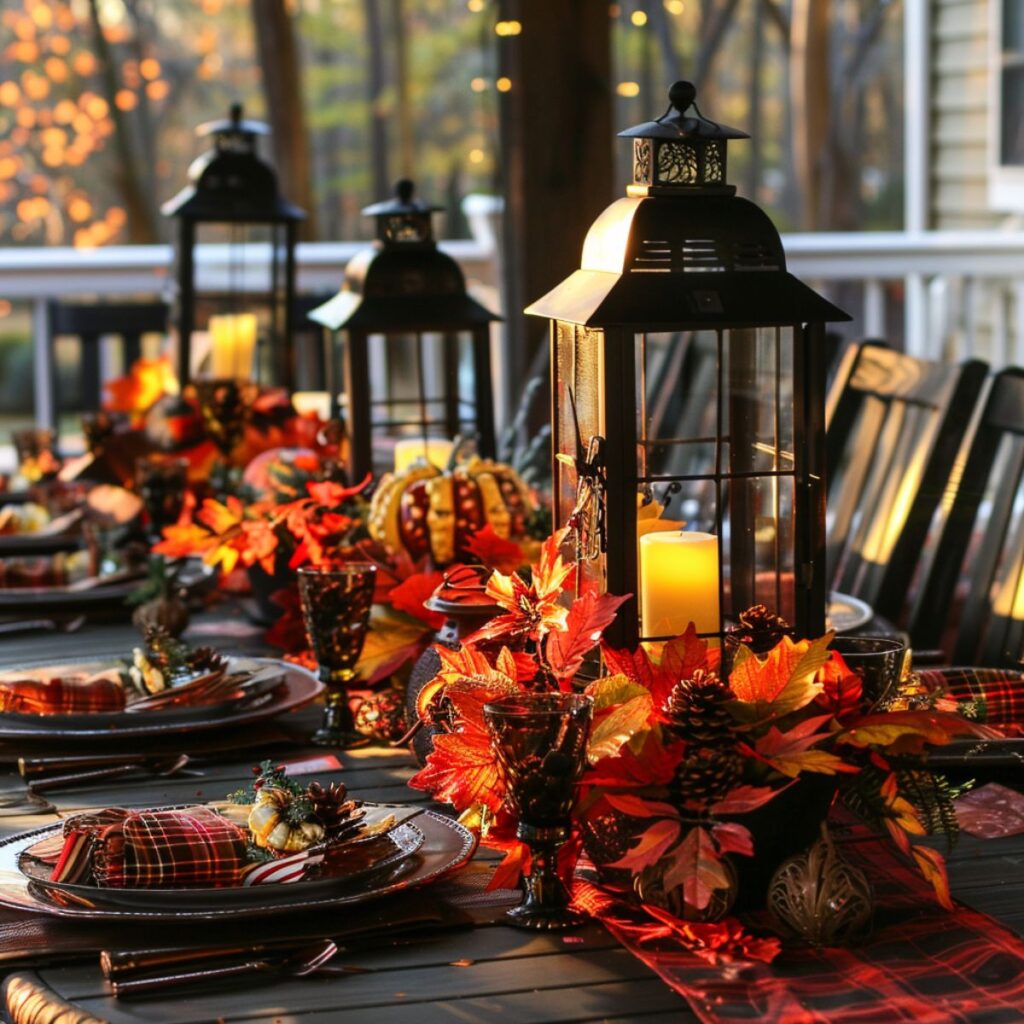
<point x="337" y="728"/>
<point x="545" y="905"/>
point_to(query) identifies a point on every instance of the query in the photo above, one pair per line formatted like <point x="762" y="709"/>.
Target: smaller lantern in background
<point x="232" y="198"/>
<point x="690" y="365"/>
<point x="415" y="345"/>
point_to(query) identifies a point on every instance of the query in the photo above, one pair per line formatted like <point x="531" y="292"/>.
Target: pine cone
<point x="760" y="629"/>
<point x="339" y="816"/>
<point x="705" y="775"/>
<point x="696" y="709"/>
<point x="205" y="659"/>
<point x="164" y="651"/>
<point x="607" y="837"/>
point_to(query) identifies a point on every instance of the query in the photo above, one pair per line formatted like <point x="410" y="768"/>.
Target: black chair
<point x="90" y="322"/>
<point x="971" y="597"/>
<point x="894" y="427"/>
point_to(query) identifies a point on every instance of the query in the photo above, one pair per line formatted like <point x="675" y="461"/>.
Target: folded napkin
<point x="169" y="849"/>
<point x="63" y="695"/>
<point x="999" y="693"/>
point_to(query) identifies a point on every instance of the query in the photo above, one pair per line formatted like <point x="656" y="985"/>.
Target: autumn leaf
<point x="589" y="615"/>
<point x="495" y="552"/>
<point x="908" y="732"/>
<point x="513" y="866"/>
<point x="221" y="518"/>
<point x="392" y="640"/>
<point x="790" y="752"/>
<point x="650" y="845"/>
<point x="842" y="688"/>
<point x="635" y="665"/>
<point x="680" y="658"/>
<point x="746" y="798"/>
<point x="410" y="594"/>
<point x="639" y="806"/>
<point x="933" y="866"/>
<point x="732" y="837"/>
<point x="462" y="770"/>
<point x="654" y="765"/>
<point x="696" y="865"/>
<point x="613" y="730"/>
<point x="781" y="682"/>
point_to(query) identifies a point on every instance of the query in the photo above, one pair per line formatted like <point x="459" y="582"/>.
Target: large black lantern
<point x="416" y="346"/>
<point x="688" y="384"/>
<point x="232" y="199"/>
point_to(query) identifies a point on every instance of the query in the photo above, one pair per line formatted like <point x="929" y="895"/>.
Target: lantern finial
<point x="404" y="189"/>
<point x="682" y="95"/>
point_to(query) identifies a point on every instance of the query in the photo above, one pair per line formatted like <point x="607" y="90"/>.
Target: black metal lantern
<point x="688" y="384"/>
<point x="430" y="339"/>
<point x="232" y="198"/>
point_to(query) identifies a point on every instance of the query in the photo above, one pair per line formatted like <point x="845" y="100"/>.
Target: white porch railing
<point x="943" y="295"/>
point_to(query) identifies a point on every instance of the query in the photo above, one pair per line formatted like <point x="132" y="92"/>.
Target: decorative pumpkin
<point x="428" y="511"/>
<point x="273" y="827"/>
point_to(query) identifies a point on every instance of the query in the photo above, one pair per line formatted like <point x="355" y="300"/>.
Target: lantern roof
<point x="676" y="123"/>
<point x="402" y="282"/>
<point x="230" y="182"/>
<point x="681" y="251"/>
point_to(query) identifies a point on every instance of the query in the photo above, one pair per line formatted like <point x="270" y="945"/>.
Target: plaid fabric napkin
<point x="1000" y="692"/>
<point x="63" y="695"/>
<point x="172" y="849"/>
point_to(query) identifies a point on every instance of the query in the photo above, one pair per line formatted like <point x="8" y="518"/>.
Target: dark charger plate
<point x="446" y="846"/>
<point x="298" y="688"/>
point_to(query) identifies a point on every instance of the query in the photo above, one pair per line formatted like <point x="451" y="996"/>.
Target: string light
<point x="638" y="18"/>
<point x="629" y="89"/>
<point x="508" y="28"/>
<point x="503" y="84"/>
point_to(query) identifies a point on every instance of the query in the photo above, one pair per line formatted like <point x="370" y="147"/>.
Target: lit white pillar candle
<point x="232" y="344"/>
<point x="437" y="451"/>
<point x="306" y="402"/>
<point x="678" y="583"/>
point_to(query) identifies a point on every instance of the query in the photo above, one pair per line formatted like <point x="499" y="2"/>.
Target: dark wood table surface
<point x="488" y="973"/>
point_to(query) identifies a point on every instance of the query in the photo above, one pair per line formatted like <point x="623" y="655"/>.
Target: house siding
<point x="958" y="185"/>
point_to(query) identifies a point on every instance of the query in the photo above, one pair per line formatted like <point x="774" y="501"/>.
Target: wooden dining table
<point x="466" y="967"/>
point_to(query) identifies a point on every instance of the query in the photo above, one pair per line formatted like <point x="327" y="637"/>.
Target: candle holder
<point x="225" y="406"/>
<point x="336" y="605"/>
<point x="540" y="740"/>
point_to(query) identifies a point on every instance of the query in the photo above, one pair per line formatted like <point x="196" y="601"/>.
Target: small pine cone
<point x="696" y="709"/>
<point x="705" y="775"/>
<point x="331" y="806"/>
<point x="205" y="659"/>
<point x="607" y="837"/>
<point x="760" y="629"/>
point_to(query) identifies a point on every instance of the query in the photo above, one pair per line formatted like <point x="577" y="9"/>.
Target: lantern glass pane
<point x="715" y="422"/>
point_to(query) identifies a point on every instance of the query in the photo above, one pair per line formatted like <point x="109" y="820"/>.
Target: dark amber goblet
<point x="879" y="661"/>
<point x="225" y="406"/>
<point x="541" y="741"/>
<point x="336" y="606"/>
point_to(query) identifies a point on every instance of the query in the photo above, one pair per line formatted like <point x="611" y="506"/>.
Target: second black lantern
<point x="404" y="302"/>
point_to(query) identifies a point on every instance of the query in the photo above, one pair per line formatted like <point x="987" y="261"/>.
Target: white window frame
<point x="1005" y="181"/>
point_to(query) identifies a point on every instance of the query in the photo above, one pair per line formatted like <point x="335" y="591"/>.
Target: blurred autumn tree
<point x="99" y="100"/>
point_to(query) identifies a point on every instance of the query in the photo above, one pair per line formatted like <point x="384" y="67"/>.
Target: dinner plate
<point x="446" y="846"/>
<point x="104" y="597"/>
<point x="844" y="613"/>
<point x="298" y="688"/>
<point x="371" y="855"/>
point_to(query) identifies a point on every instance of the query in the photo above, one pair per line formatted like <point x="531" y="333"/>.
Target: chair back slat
<point x="973" y="585"/>
<point x="895" y="424"/>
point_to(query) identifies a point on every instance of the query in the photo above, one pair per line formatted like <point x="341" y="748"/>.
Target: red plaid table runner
<point x="1001" y="690"/>
<point x="62" y="696"/>
<point x="922" y="964"/>
<point x="175" y="849"/>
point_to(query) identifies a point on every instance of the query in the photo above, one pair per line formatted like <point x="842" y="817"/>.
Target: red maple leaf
<point x="410" y="594"/>
<point x="495" y="552"/>
<point x="588" y="617"/>
<point x="842" y="687"/>
<point x="463" y="770"/>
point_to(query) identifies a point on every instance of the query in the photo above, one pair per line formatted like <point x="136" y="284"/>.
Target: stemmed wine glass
<point x="540" y="740"/>
<point x="336" y="606"/>
<point x="879" y="661"/>
<point x="161" y="484"/>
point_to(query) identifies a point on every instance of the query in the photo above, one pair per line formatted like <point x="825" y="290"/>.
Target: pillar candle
<point x="678" y="583"/>
<point x="319" y="402"/>
<point x="232" y="344"/>
<point x="437" y="451"/>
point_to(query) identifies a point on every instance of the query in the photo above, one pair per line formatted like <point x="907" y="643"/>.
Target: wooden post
<point x="557" y="144"/>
